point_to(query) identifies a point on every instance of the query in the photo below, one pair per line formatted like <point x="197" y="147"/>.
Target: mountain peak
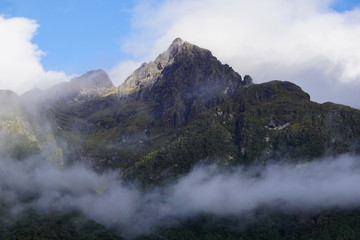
<point x="184" y="80"/>
<point x="95" y="78"/>
<point x="87" y="86"/>
<point x="173" y="49"/>
<point x="177" y="42"/>
<point x="179" y="52"/>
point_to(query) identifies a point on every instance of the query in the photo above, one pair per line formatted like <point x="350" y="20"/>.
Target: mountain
<point x="183" y="81"/>
<point x="80" y="89"/>
<point x="89" y="85"/>
<point x="161" y="96"/>
<point x="37" y="106"/>
<point x="185" y="107"/>
<point x="173" y="113"/>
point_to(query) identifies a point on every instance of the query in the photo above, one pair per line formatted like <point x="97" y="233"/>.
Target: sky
<point x="313" y="43"/>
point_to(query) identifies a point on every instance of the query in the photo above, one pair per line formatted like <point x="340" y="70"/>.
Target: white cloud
<point x="303" y="41"/>
<point x="122" y="70"/>
<point x="20" y="59"/>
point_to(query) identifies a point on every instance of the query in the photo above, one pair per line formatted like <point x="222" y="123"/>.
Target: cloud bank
<point x="311" y="186"/>
<point x="20" y="59"/>
<point x="303" y="41"/>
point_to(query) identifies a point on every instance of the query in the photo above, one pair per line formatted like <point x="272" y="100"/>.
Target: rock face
<point x="93" y="80"/>
<point x="86" y="87"/>
<point x="183" y="81"/>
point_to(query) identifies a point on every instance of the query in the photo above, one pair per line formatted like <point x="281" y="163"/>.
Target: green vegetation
<point x="54" y="226"/>
<point x="274" y="120"/>
<point x="277" y="121"/>
<point x="205" y="140"/>
<point x="16" y="139"/>
<point x="21" y="147"/>
<point x="335" y="224"/>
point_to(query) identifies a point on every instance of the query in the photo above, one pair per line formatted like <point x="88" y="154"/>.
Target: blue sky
<point x="313" y="43"/>
<point x="77" y="36"/>
<point x="345" y="5"/>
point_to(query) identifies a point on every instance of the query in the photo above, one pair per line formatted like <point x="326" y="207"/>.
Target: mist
<point x="131" y="210"/>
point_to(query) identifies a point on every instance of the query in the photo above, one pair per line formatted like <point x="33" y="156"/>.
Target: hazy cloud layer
<point x="303" y="41"/>
<point x="20" y="59"/>
<point x="104" y="198"/>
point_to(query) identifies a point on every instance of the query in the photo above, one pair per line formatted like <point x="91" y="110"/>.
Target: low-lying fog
<point x="105" y="198"/>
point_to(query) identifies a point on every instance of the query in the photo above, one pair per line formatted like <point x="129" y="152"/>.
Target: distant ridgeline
<point x="182" y="109"/>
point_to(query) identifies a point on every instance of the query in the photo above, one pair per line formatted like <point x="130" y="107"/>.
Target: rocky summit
<point x="88" y="86"/>
<point x="182" y="67"/>
<point x="183" y="109"/>
<point x="183" y="81"/>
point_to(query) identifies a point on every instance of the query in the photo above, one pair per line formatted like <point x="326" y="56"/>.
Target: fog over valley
<point x="127" y="208"/>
